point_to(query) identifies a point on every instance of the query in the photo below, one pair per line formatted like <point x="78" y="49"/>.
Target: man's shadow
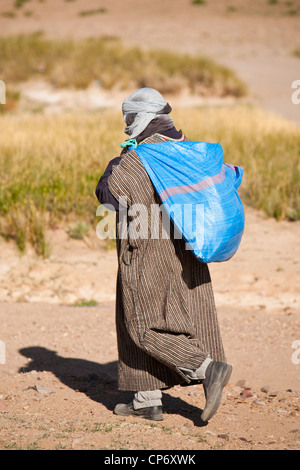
<point x="97" y="381"/>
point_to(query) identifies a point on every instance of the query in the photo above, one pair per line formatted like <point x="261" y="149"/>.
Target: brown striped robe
<point x="165" y="311"/>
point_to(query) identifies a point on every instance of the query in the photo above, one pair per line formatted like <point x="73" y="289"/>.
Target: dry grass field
<point x="51" y="166"/>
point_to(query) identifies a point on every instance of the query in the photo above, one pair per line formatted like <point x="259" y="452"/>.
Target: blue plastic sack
<point x="199" y="194"/>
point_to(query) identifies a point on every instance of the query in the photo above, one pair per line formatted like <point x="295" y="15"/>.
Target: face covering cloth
<point x="146" y="104"/>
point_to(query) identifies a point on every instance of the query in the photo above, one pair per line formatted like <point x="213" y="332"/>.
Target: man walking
<point x="166" y="319"/>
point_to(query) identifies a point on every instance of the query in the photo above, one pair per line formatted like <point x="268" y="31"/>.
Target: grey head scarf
<point x="142" y="107"/>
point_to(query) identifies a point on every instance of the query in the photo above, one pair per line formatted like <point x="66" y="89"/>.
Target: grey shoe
<point x="152" y="412"/>
<point x="217" y="376"/>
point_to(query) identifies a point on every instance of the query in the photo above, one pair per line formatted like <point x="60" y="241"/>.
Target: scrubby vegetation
<point x="69" y="63"/>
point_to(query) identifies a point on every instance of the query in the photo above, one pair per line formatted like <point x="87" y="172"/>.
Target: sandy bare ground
<point x="59" y="384"/>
